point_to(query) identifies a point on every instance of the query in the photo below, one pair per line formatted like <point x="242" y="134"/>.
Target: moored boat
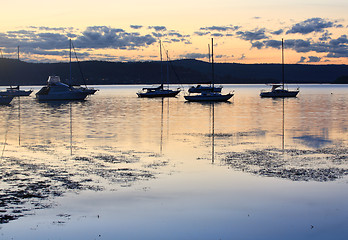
<point x="160" y="91"/>
<point x="157" y="92"/>
<point x="278" y="90"/>
<point x="209" y="95"/>
<point x="56" y="90"/>
<point x="15" y="91"/>
<point x="199" y="89"/>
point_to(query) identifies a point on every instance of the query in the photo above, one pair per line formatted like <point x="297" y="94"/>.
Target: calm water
<point x="119" y="167"/>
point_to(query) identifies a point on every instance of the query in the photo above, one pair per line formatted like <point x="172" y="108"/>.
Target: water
<point x="119" y="167"/>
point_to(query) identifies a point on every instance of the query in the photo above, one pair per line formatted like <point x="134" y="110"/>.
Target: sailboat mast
<point x="70" y="63"/>
<point x="212" y="62"/>
<point x="209" y="52"/>
<point x="167" y="68"/>
<point x="283" y="63"/>
<point x="161" y="63"/>
<point x="18" y="53"/>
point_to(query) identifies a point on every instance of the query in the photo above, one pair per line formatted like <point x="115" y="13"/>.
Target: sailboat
<point x="210" y="95"/>
<point x="15" y="91"/>
<point x="86" y="89"/>
<point x="204" y="88"/>
<point x="58" y="91"/>
<point x="278" y="90"/>
<point x="160" y="91"/>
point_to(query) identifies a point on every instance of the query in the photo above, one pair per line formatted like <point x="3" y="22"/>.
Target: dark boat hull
<point x="279" y="94"/>
<point x="209" y="97"/>
<point x="157" y="94"/>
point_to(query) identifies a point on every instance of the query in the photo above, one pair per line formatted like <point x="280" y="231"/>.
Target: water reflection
<point x="316" y="164"/>
<point x="53" y="158"/>
<point x="137" y="158"/>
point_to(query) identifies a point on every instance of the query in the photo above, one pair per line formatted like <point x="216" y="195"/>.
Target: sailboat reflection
<point x="162" y="134"/>
<point x="71" y="129"/>
<point x="63" y="107"/>
<point x="19" y="120"/>
<point x="161" y="141"/>
<point x="212" y="116"/>
<point x="283" y="127"/>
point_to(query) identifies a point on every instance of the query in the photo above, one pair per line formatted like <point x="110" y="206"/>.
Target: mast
<point x="212" y="62"/>
<point x="161" y="63"/>
<point x="18" y="53"/>
<point x="70" y="64"/>
<point x="283" y="63"/>
<point x="209" y="57"/>
<point x="209" y="52"/>
<point x="167" y="68"/>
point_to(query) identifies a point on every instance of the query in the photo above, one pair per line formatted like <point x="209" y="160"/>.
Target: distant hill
<point x="15" y="72"/>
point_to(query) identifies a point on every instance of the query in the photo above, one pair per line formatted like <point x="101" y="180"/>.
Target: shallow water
<point x="119" y="167"/>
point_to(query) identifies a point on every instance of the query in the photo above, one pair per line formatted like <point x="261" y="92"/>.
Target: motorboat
<point x="278" y="90"/>
<point x="56" y="90"/>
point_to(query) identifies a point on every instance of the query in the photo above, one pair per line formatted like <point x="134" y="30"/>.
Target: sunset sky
<point x="249" y="31"/>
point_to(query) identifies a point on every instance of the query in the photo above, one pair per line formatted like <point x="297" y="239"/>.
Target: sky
<point x="248" y="31"/>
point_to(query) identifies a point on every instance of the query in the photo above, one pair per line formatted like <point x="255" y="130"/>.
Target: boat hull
<point x="279" y="94"/>
<point x="20" y="93"/>
<point x="4" y="100"/>
<point x="157" y="94"/>
<point x="209" y="98"/>
<point x="60" y="96"/>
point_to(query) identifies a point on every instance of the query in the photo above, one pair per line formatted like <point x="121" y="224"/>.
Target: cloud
<point x="158" y="28"/>
<point x="256" y="34"/>
<point x="201" y="33"/>
<point x="325" y="36"/>
<point x="106" y="37"/>
<point x="193" y="55"/>
<point x="220" y="28"/>
<point x="302" y="60"/>
<point x="335" y="48"/>
<point x="313" y="59"/>
<point x="217" y="35"/>
<point x="278" y="32"/>
<point x="311" y="25"/>
<point x="136" y="26"/>
<point x="217" y="31"/>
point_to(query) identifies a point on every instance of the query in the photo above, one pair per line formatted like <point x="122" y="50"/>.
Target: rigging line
<point x="78" y="63"/>
<point x="172" y="68"/>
